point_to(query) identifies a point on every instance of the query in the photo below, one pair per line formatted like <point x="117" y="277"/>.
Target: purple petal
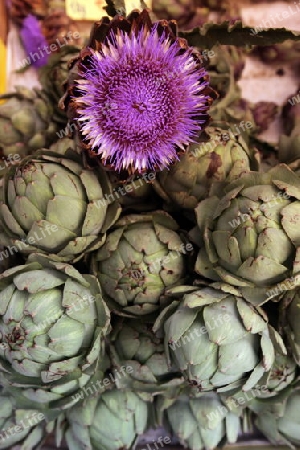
<point x="34" y="41"/>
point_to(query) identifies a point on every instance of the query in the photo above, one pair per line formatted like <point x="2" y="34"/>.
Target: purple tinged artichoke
<point x="112" y="421"/>
<point x="52" y="205"/>
<point x="217" y="339"/>
<point x="249" y="234"/>
<point x="53" y="76"/>
<point x="220" y="156"/>
<point x="142" y="256"/>
<point x="53" y="322"/>
<point x="22" y="426"/>
<point x="133" y="344"/>
<point x="26" y="123"/>
<point x="201" y="423"/>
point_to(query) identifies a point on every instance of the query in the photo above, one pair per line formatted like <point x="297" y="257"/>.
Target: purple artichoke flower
<point x="141" y="97"/>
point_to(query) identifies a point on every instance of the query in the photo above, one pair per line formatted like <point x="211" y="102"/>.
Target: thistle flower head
<point x="142" y="98"/>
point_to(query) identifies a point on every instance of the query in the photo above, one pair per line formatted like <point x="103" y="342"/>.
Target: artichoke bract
<point x="249" y="234"/>
<point x="202" y="423"/>
<point x="52" y="205"/>
<point x="53" y="322"/>
<point x="20" y="426"/>
<point x="112" y="421"/>
<point x="26" y="122"/>
<point x="219" y="156"/>
<point x="134" y="344"/>
<point x="142" y="257"/>
<point x="217" y="339"/>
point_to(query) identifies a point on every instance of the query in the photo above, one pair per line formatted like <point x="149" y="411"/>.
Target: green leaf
<point x="237" y="34"/>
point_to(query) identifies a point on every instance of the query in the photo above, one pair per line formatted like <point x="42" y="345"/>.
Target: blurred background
<point x="265" y="80"/>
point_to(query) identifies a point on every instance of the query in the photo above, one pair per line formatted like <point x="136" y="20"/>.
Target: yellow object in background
<point x="93" y="10"/>
<point x="2" y="67"/>
<point x="85" y="10"/>
<point x="3" y="54"/>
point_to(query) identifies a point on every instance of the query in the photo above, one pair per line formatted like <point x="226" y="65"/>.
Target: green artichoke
<point x="52" y="205"/>
<point x="53" y="322"/>
<point x="22" y="428"/>
<point x="142" y="257"/>
<point x="112" y="421"/>
<point x="26" y="122"/>
<point x="219" y="156"/>
<point x="202" y="423"/>
<point x="133" y="344"/>
<point x="278" y="417"/>
<point x="249" y="234"/>
<point x="52" y="77"/>
<point x="217" y="339"/>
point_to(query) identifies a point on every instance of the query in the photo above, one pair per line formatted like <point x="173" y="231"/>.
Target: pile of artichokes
<point x="169" y="302"/>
